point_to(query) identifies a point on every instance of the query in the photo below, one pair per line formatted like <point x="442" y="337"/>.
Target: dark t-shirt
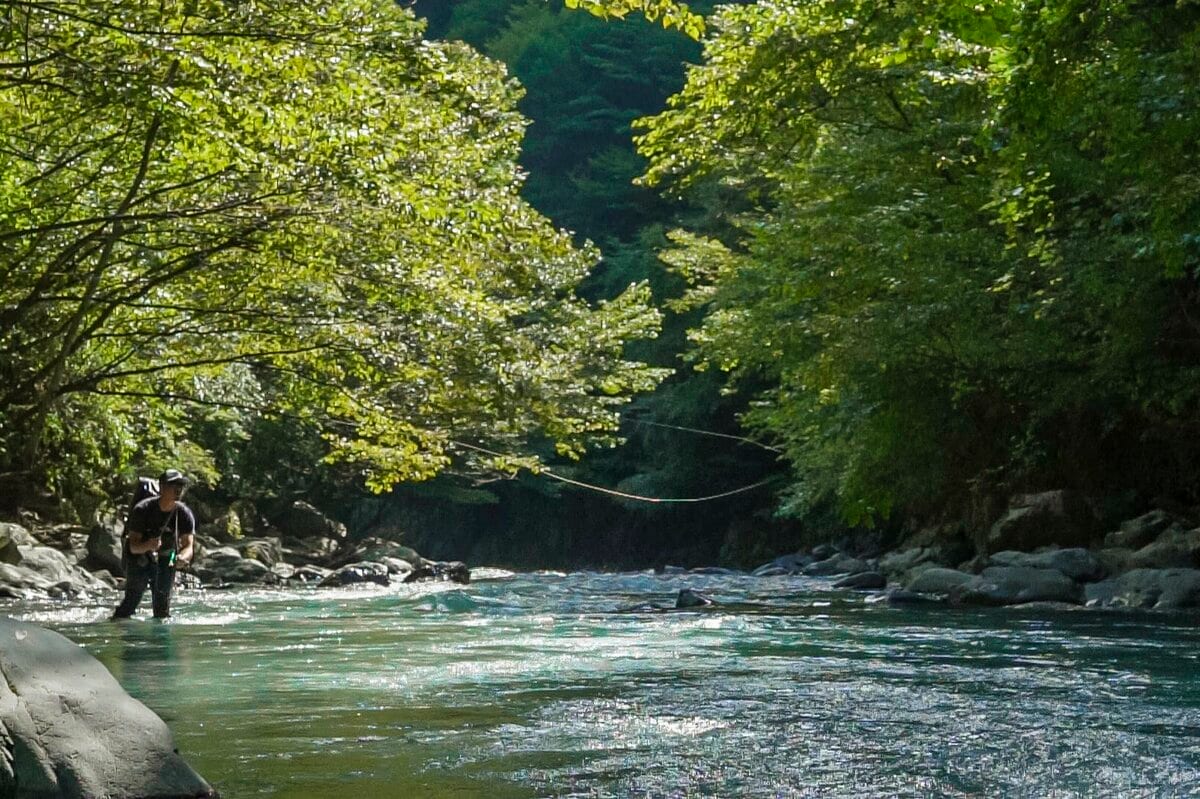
<point x="148" y="520"/>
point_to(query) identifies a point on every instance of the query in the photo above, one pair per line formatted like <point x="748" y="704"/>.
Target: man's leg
<point x="164" y="581"/>
<point x="136" y="579"/>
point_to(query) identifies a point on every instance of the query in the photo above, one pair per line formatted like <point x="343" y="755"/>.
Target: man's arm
<point x="184" y="554"/>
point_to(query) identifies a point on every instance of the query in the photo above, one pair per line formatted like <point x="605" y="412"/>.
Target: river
<point x="540" y="685"/>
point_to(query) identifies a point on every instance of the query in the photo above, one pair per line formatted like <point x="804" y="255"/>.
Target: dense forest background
<point x="908" y="259"/>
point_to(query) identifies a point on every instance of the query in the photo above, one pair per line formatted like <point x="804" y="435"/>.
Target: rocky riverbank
<point x="1047" y="548"/>
<point x="299" y="545"/>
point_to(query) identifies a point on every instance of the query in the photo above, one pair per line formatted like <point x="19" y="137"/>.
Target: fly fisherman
<point x="159" y="537"/>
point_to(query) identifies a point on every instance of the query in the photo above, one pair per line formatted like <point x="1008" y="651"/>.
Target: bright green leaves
<point x="297" y="211"/>
<point x="670" y="13"/>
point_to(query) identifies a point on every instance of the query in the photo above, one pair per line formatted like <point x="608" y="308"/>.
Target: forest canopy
<point x="282" y="228"/>
<point x="964" y="257"/>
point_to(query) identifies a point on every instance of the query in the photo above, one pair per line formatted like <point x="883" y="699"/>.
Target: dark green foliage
<point x="970" y="264"/>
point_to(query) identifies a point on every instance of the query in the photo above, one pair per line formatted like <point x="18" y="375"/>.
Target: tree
<point x="968" y="244"/>
<point x="283" y="210"/>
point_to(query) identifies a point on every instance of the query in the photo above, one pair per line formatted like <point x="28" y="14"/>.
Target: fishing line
<point x="622" y="494"/>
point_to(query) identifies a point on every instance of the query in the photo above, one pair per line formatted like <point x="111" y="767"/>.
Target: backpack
<point x="145" y="487"/>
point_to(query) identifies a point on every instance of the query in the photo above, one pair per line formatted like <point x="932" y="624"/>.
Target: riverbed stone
<point x="355" y="573"/>
<point x="12" y="537"/>
<point x="937" y="580"/>
<point x="453" y="571"/>
<point x="1077" y="563"/>
<point x="689" y="598"/>
<point x="68" y="729"/>
<point x="837" y="564"/>
<point x="1013" y="585"/>
<point x="1161" y="589"/>
<point x="104" y="544"/>
<point x="1060" y="518"/>
<point x="267" y="551"/>
<point x="792" y="563"/>
<point x="900" y="562"/>
<point x="302" y="520"/>
<point x="863" y="581"/>
<point x="1137" y="533"/>
<point x="1175" y="549"/>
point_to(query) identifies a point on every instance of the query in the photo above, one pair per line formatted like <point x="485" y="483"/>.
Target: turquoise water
<point x="531" y="685"/>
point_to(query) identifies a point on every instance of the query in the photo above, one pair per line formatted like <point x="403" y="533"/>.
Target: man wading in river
<point x="160" y="530"/>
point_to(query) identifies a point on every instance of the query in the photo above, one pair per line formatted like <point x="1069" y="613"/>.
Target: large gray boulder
<point x="12" y="537"/>
<point x="355" y="573"/>
<point x="1014" y="585"/>
<point x="104" y="543"/>
<point x="1077" y="563"/>
<point x="1172" y="549"/>
<point x="17" y="582"/>
<point x="1136" y="533"/>
<point x="302" y="520"/>
<point x="1051" y="518"/>
<point x="1161" y="589"/>
<point x="67" y="729"/>
<point x="836" y="564"/>
<point x="784" y="564"/>
<point x="268" y="551"/>
<point x="937" y="580"/>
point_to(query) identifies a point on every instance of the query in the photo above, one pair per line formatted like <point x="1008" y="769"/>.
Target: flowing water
<point x="532" y="685"/>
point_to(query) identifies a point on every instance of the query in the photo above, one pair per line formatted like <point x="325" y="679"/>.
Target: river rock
<point x="903" y="596"/>
<point x="1077" y="563"/>
<point x="69" y="730"/>
<point x="226" y="565"/>
<point x="310" y="574"/>
<point x="375" y="549"/>
<point x="1137" y="533"/>
<point x="863" y="581"/>
<point x="104" y="544"/>
<point x="316" y="550"/>
<point x="719" y="571"/>
<point x="304" y="521"/>
<point x="899" y="563"/>
<point x="837" y="564"/>
<point x="21" y="583"/>
<point x="225" y="528"/>
<point x="453" y="571"/>
<point x="49" y="563"/>
<point x="354" y="573"/>
<point x="1162" y="589"/>
<point x="688" y="598"/>
<point x="267" y="551"/>
<point x="784" y="564"/>
<point x="823" y="552"/>
<point x="1060" y="518"/>
<point x="1013" y="585"/>
<point x="12" y="537"/>
<point x="1173" y="549"/>
<point x="937" y="580"/>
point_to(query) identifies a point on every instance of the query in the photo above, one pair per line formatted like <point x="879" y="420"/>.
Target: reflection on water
<point x="538" y="685"/>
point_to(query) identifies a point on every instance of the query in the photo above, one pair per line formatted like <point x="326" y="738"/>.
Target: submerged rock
<point x="68" y="729"/>
<point x="692" y="599"/>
